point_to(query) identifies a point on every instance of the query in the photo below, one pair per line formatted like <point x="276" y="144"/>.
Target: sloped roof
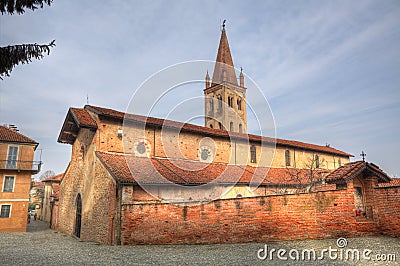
<point x="83" y="118"/>
<point x="158" y="122"/>
<point x="76" y="118"/>
<point x="56" y="178"/>
<point x="351" y="170"/>
<point x="9" y="135"/>
<point x="224" y="70"/>
<point x="394" y="182"/>
<point x="186" y="172"/>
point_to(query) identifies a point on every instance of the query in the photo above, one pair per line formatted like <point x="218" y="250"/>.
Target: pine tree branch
<point x="12" y="55"/>
<point x="19" y="6"/>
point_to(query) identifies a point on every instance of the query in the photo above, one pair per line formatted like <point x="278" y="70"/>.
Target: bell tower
<point x="225" y="99"/>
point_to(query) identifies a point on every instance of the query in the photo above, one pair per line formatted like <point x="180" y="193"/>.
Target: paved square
<point x="41" y="245"/>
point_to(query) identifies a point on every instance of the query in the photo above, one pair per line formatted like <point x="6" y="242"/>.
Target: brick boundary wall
<point x="327" y="214"/>
<point x="387" y="200"/>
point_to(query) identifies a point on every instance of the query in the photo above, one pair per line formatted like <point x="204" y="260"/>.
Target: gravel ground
<point x="40" y="245"/>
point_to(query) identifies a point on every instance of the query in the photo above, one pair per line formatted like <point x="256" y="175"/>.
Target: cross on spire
<point x="363" y="155"/>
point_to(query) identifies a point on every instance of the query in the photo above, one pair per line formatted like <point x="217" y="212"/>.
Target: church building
<point x="219" y="184"/>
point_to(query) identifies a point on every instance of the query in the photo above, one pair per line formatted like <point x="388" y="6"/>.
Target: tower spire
<point x="225" y="100"/>
<point x="207" y="80"/>
<point x="241" y="78"/>
<point x="224" y="69"/>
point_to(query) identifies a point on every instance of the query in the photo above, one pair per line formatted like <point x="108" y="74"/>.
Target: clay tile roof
<point x="299" y="144"/>
<point x="83" y="117"/>
<point x="54" y="178"/>
<point x="186" y="172"/>
<point x="346" y="171"/>
<point x="76" y="118"/>
<point x="287" y="176"/>
<point x="394" y="182"/>
<point x="210" y="131"/>
<point x="9" y="135"/>
<point x="350" y="170"/>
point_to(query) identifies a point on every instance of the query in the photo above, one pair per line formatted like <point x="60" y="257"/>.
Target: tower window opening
<point x="230" y="101"/>
<point x="253" y="154"/>
<point x="240" y="128"/>
<point x="239" y="104"/>
<point x="287" y="157"/>
<point x="316" y="161"/>
<point x="219" y="97"/>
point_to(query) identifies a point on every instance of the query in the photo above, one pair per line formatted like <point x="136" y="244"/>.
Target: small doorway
<point x="78" y="219"/>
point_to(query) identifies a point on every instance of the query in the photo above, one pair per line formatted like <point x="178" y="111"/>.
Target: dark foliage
<point x="19" y="6"/>
<point x="12" y="55"/>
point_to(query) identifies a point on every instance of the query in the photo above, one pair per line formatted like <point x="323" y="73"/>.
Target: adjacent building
<point x="17" y="165"/>
<point x="51" y="187"/>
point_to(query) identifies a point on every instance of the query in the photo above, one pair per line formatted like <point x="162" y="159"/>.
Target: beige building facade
<point x="16" y="169"/>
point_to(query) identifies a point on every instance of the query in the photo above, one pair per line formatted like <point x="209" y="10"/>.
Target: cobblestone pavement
<point x="43" y="246"/>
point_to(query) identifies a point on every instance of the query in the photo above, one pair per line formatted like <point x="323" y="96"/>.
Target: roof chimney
<point x="13" y="127"/>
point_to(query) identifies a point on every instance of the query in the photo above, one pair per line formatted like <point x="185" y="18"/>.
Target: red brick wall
<point x="387" y="202"/>
<point x="270" y="218"/>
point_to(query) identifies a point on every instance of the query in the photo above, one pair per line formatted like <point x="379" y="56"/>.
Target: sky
<point x="330" y="70"/>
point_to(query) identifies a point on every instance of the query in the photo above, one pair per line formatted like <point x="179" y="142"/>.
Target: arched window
<point x="211" y="105"/>
<point x="287" y="157"/>
<point x="240" y="128"/>
<point x="231" y="126"/>
<point x="253" y="154"/>
<point x="219" y="102"/>
<point x="239" y="104"/>
<point x="211" y="126"/>
<point x="339" y="162"/>
<point x="316" y="161"/>
<point x="220" y="125"/>
<point x="230" y="101"/>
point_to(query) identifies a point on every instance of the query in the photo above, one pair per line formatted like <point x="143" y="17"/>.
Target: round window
<point x="204" y="154"/>
<point x="141" y="148"/>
